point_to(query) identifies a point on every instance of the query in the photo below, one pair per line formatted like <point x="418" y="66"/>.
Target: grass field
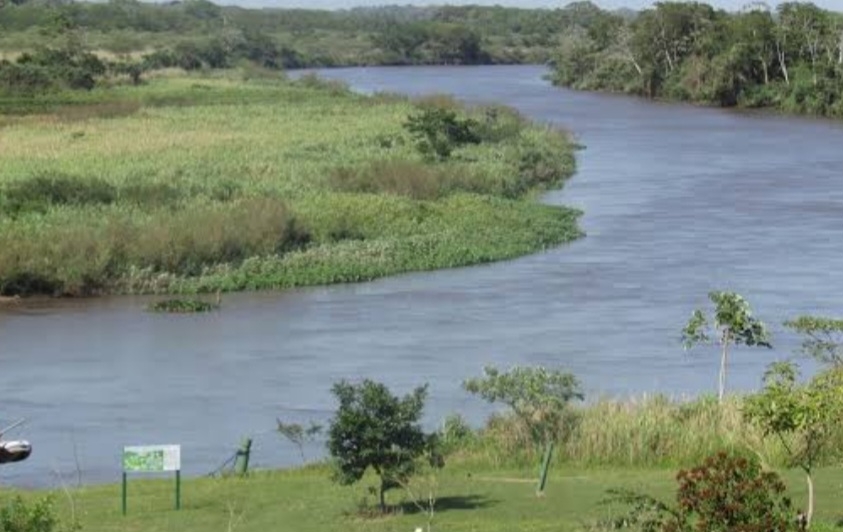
<point x="199" y="183"/>
<point x="306" y="500"/>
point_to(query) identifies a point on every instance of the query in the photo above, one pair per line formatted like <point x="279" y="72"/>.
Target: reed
<point x="650" y="431"/>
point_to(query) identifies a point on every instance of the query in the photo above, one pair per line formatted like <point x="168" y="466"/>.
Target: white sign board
<point x="151" y="458"/>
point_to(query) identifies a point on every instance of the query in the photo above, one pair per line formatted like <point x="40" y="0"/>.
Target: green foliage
<point x="182" y="306"/>
<point x="439" y="131"/>
<point x="807" y="412"/>
<point x="733" y="324"/>
<point x="18" y="516"/>
<point x="788" y="60"/>
<point x="43" y="191"/>
<point x="195" y="206"/>
<point x="374" y="429"/>
<point x="539" y="397"/>
<point x="726" y="493"/>
<point x="733" y="319"/>
<point x="803" y="416"/>
<point x="823" y="338"/>
<point x="455" y="433"/>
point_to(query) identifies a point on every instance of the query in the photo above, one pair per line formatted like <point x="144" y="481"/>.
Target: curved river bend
<point x="678" y="201"/>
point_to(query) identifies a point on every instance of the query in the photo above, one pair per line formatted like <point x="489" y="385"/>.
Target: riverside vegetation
<point x="790" y="59"/>
<point x="608" y="452"/>
<point x="614" y="467"/>
<point x="199" y="183"/>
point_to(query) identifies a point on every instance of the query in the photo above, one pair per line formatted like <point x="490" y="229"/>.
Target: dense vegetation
<point x="194" y="33"/>
<point x="209" y="183"/>
<point x="789" y="59"/>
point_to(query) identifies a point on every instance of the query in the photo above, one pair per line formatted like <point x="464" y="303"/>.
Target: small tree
<point x="823" y="338"/>
<point x="298" y="435"/>
<point x="438" y="131"/>
<point x="538" y="396"/>
<point x="733" y="324"/>
<point x="375" y="429"/>
<point x="803" y="417"/>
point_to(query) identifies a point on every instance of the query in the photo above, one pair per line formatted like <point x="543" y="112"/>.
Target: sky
<point x="732" y="5"/>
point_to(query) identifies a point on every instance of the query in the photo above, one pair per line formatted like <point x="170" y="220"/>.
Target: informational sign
<point x="151" y="458"/>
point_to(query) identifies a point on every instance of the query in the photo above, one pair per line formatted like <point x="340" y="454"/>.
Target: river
<point x="678" y="200"/>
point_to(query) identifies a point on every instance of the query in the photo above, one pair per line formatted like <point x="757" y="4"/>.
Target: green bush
<point x="439" y="131"/>
<point x="42" y="191"/>
<point x="18" y="516"/>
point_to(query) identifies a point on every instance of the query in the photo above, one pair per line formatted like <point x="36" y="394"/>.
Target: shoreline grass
<point x="488" y="482"/>
<point x="306" y="500"/>
<point x="203" y="183"/>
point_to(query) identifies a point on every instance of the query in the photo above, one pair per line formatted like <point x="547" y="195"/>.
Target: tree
<point x="375" y="429"/>
<point x="538" y="396"/>
<point x="803" y="417"/>
<point x="733" y="324"/>
<point x="298" y="435"/>
<point x="823" y="338"/>
<point x="438" y="131"/>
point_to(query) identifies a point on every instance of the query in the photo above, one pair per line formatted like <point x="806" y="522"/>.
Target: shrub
<point x="18" y="516"/>
<point x="726" y="493"/>
<point x="42" y="191"/>
<point x="439" y="131"/>
<point x="455" y="433"/>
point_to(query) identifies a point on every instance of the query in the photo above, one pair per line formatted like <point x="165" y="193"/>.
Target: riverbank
<point x="303" y="500"/>
<point x="244" y="181"/>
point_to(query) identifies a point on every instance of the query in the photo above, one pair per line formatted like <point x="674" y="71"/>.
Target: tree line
<point x="790" y="58"/>
<point x="362" y="36"/>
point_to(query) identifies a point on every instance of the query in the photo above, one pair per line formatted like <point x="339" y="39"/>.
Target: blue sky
<point x="836" y="5"/>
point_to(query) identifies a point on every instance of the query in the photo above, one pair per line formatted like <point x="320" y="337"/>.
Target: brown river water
<point x="678" y="200"/>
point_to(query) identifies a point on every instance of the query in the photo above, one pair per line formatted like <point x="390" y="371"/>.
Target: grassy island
<point x="244" y="180"/>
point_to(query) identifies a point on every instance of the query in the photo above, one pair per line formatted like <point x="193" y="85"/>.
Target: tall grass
<point x="195" y="183"/>
<point x="651" y="431"/>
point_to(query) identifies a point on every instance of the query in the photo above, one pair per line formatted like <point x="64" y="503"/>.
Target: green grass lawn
<point x="305" y="500"/>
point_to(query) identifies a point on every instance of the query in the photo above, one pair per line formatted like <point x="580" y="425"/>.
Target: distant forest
<point x="788" y="58"/>
<point x="294" y="38"/>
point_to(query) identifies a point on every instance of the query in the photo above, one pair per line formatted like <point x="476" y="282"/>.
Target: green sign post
<point x="548" y="454"/>
<point x="151" y="459"/>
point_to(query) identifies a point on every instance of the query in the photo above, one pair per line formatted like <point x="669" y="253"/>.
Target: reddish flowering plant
<point x="726" y="493"/>
<point x="732" y="493"/>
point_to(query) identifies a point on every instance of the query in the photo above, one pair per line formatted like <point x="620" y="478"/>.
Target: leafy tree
<point x="375" y="429"/>
<point x="823" y="338"/>
<point x="538" y="396"/>
<point x="802" y="417"/>
<point x="438" y="131"/>
<point x="733" y="323"/>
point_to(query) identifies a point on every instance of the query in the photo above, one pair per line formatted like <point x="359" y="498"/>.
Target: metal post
<point x="178" y="489"/>
<point x="548" y="453"/>
<point x="241" y="464"/>
<point x="124" y="493"/>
